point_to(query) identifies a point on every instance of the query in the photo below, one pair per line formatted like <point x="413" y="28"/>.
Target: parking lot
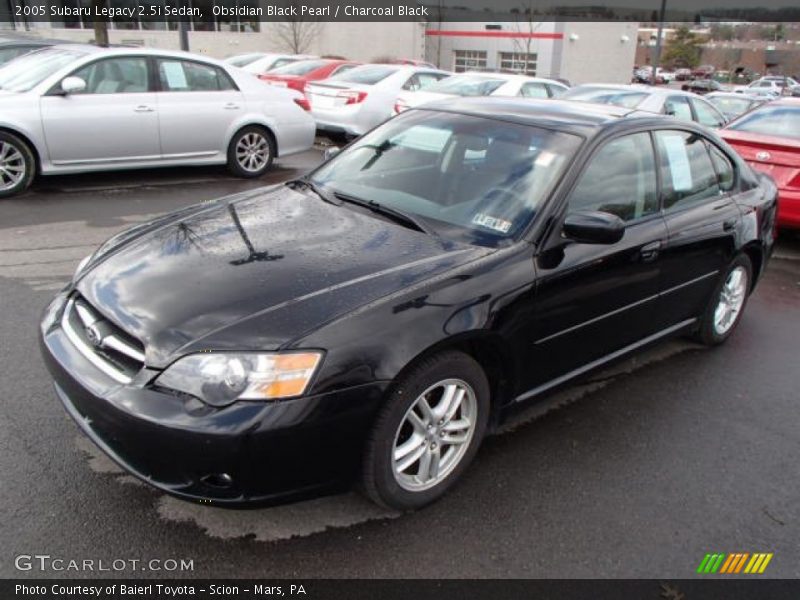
<point x="638" y="472"/>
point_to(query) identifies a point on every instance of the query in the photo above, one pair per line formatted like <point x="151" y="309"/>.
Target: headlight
<point x="221" y="378"/>
<point x="81" y="265"/>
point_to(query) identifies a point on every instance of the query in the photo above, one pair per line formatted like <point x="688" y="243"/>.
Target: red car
<point x="769" y="139"/>
<point x="297" y="74"/>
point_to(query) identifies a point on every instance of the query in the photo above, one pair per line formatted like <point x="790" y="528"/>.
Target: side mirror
<point x="593" y="227"/>
<point x="73" y="85"/>
<point x="330" y="152"/>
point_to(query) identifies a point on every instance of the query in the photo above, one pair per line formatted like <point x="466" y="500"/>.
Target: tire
<point x="713" y="328"/>
<point x="251" y="151"/>
<point x="416" y="485"/>
<point x="17" y="165"/>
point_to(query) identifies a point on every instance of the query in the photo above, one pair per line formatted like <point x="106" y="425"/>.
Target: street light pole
<point x="657" y="53"/>
<point x="183" y="33"/>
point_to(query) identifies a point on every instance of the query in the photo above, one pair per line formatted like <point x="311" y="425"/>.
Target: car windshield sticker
<point x="545" y="159"/>
<point x="678" y="162"/>
<point x="176" y="78"/>
<point x="491" y="222"/>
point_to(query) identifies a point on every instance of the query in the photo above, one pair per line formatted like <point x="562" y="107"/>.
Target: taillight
<point x="400" y="106"/>
<point x="352" y="96"/>
<point x="303" y="103"/>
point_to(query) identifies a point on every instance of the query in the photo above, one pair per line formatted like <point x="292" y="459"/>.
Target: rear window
<point x="613" y="96"/>
<point x="367" y="75"/>
<point x="779" y="121"/>
<point x="301" y="67"/>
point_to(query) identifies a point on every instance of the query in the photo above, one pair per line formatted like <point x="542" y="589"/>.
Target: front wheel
<point x="17" y="165"/>
<point x="250" y="152"/>
<point x="428" y="432"/>
<point x="727" y="303"/>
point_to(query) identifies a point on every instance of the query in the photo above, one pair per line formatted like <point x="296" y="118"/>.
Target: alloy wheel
<point x="12" y="166"/>
<point x="731" y="300"/>
<point x="434" y="435"/>
<point x="252" y="151"/>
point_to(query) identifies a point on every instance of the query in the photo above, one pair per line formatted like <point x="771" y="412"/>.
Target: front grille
<point x="112" y="350"/>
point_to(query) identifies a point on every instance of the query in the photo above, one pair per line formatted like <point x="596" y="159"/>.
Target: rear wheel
<point x="250" y="152"/>
<point x="727" y="303"/>
<point x="428" y="432"/>
<point x="17" y="165"/>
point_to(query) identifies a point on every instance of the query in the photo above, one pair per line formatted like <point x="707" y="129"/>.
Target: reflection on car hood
<point x="256" y="272"/>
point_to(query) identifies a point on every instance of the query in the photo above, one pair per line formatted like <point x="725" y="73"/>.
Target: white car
<point x="762" y="87"/>
<point x="482" y="84"/>
<point x="76" y="108"/>
<point x="266" y="62"/>
<point x="354" y="102"/>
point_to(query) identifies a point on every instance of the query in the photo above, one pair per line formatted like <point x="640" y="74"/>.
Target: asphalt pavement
<point x="638" y="472"/>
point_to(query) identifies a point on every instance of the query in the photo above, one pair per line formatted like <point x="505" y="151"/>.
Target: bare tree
<point x="297" y="33"/>
<point x="526" y="26"/>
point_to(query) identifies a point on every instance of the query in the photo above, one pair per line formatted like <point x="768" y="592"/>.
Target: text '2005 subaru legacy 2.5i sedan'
<point x="373" y="320"/>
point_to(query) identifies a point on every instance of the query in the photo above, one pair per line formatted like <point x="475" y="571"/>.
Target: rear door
<point x="698" y="184"/>
<point x="197" y="105"/>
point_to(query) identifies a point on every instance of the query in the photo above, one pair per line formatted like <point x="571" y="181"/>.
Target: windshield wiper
<point x="398" y="216"/>
<point x="307" y="184"/>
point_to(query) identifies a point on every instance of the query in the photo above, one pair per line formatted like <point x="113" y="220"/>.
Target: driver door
<point x="595" y="299"/>
<point x="113" y="120"/>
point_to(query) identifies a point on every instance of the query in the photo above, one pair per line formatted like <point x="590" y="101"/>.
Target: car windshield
<point x="778" y="121"/>
<point x="368" y="75"/>
<point x="301" y="67"/>
<point x="467" y="85"/>
<point x="730" y="105"/>
<point x="470" y="178"/>
<point x="599" y="95"/>
<point x="266" y="63"/>
<point x="28" y="71"/>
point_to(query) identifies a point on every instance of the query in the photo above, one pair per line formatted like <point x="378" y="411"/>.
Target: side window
<point x="534" y="90"/>
<point x="187" y="76"/>
<point x="725" y="170"/>
<point x="706" y="115"/>
<point x="123" y="75"/>
<point x="341" y="69"/>
<point x="556" y="90"/>
<point x="687" y="174"/>
<point x="412" y="85"/>
<point x="620" y="179"/>
<point x="678" y="106"/>
<point x="427" y="79"/>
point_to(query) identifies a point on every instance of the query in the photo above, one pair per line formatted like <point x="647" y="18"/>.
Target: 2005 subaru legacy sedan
<point x="373" y="320"/>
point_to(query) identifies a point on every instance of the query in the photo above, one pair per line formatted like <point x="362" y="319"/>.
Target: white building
<point x="578" y="51"/>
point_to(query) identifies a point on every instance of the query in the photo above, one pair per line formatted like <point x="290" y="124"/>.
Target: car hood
<point x="255" y="272"/>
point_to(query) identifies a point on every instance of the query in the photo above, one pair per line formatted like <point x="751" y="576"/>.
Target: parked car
<point x="242" y="60"/>
<point x="76" y="108"/>
<point x="782" y="81"/>
<point x="413" y="62"/>
<point x="683" y="74"/>
<point x="352" y="103"/>
<point x="267" y="62"/>
<point x="457" y="261"/>
<point x="682" y="105"/>
<point x="12" y="46"/>
<point x="769" y="139"/>
<point x="703" y="72"/>
<point x="702" y="86"/>
<point x="762" y="87"/>
<point x="297" y="74"/>
<point x="481" y="84"/>
<point x="732" y="105"/>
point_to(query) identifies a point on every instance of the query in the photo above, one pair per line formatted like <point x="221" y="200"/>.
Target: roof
<point x="576" y="117"/>
<point x="509" y="77"/>
<point x="645" y="89"/>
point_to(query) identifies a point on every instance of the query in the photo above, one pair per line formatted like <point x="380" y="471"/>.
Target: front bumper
<point x="249" y="452"/>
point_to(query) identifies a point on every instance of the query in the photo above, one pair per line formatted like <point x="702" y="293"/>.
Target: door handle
<point x="649" y="252"/>
<point x="231" y="106"/>
<point x="729" y="225"/>
<point x="143" y="108"/>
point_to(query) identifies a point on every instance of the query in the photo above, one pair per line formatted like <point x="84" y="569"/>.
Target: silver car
<point x="75" y="108"/>
<point x="662" y="100"/>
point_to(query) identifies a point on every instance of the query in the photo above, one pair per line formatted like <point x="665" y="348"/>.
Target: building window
<point x="469" y="60"/>
<point x="517" y="62"/>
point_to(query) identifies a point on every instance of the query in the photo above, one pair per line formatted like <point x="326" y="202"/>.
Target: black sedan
<point x="372" y="321"/>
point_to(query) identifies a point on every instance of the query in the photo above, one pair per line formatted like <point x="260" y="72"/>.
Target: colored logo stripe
<point x="734" y="563"/>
